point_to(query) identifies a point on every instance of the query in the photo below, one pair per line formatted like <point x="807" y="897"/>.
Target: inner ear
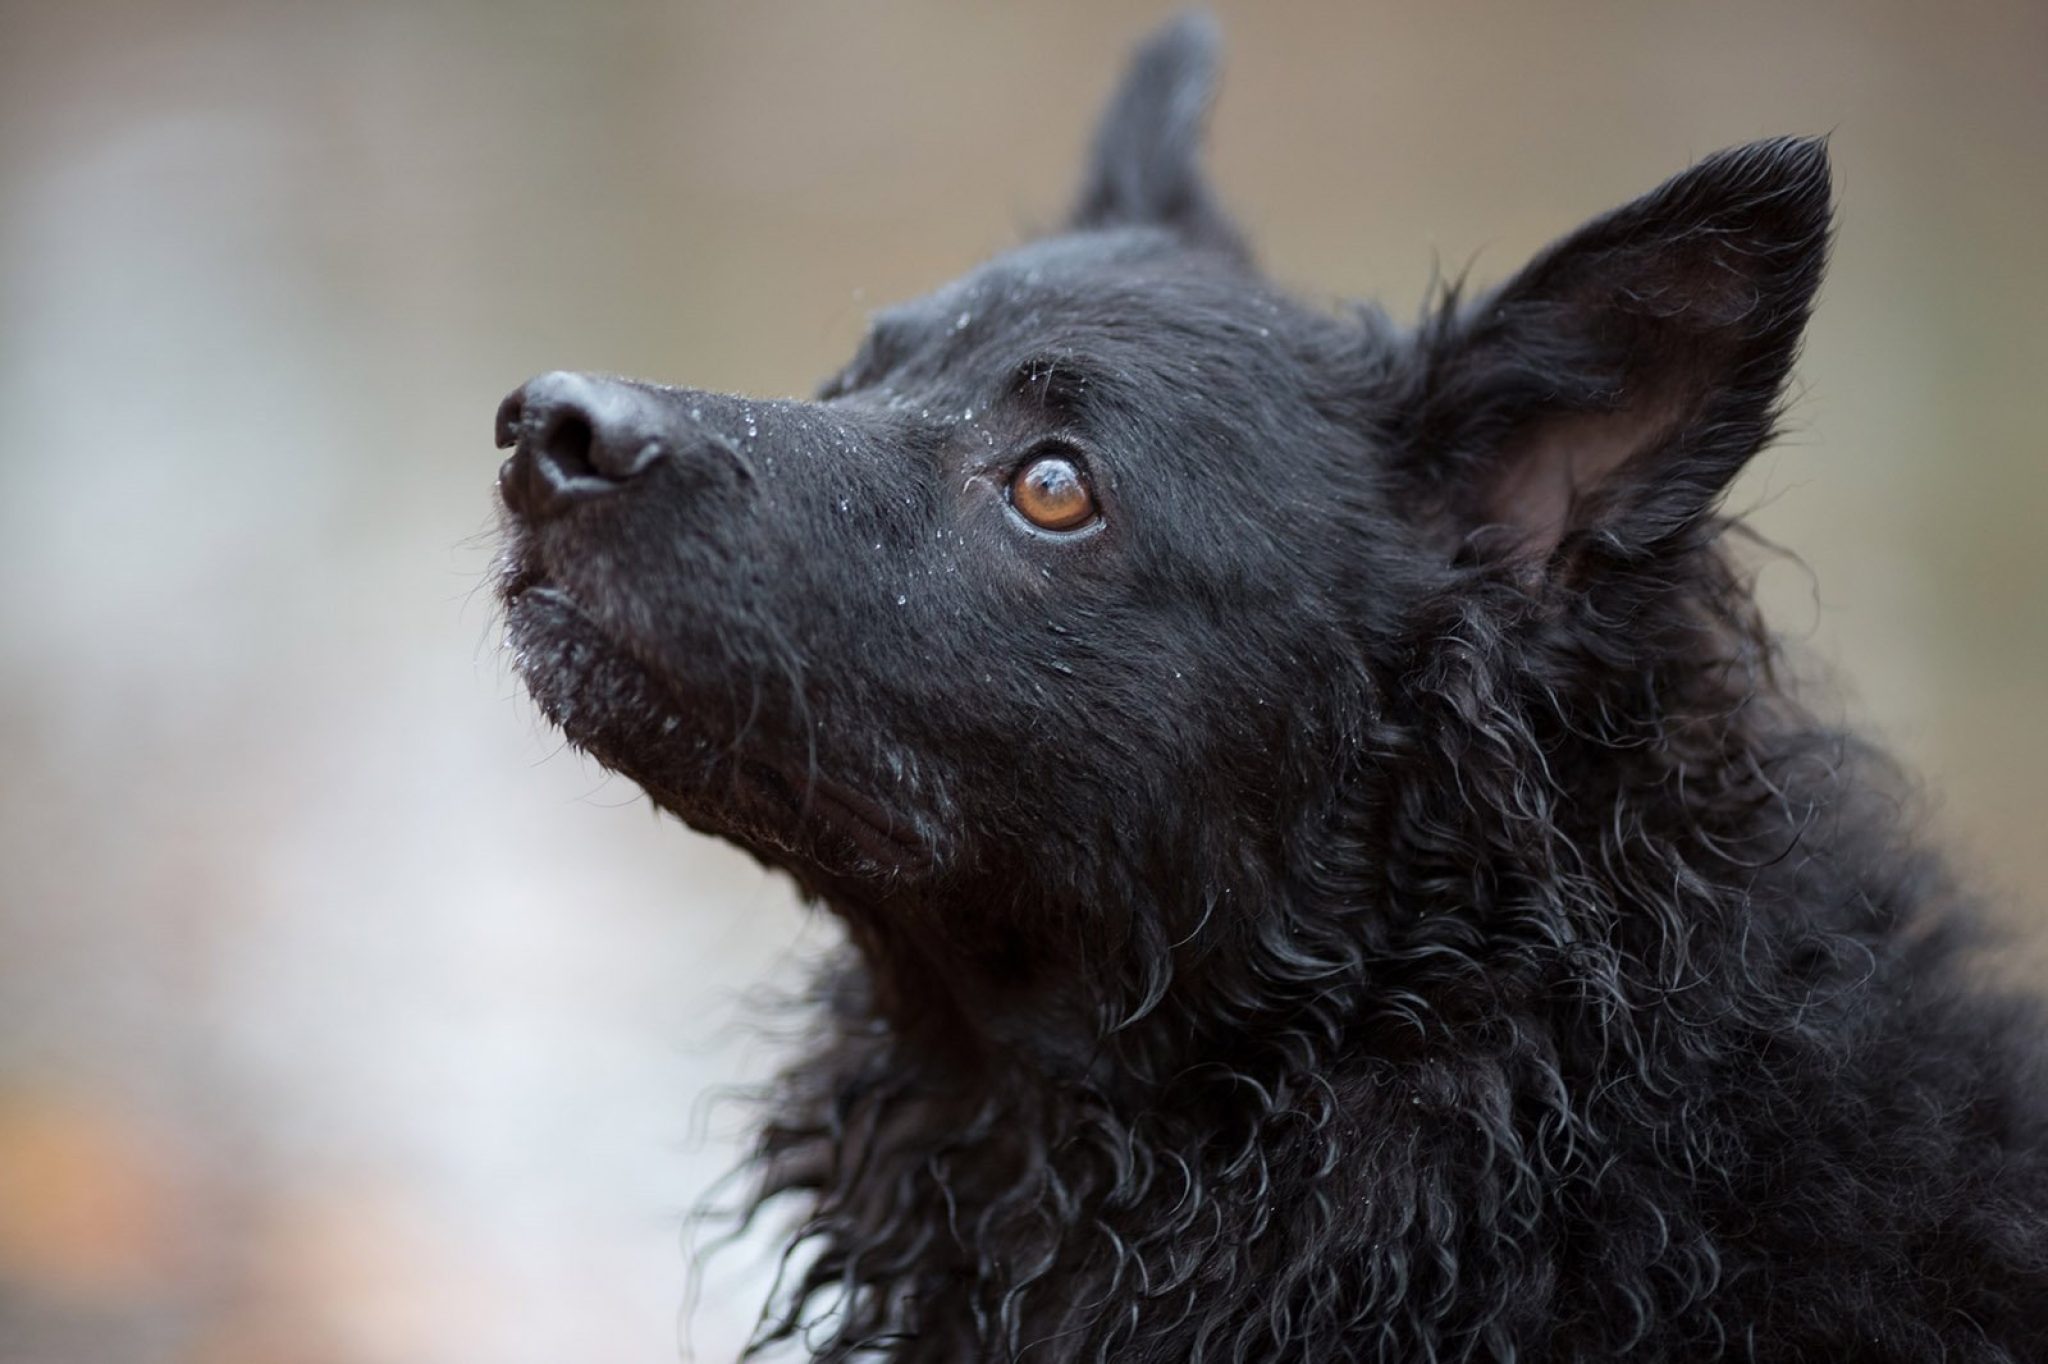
<point x="1618" y="383"/>
<point x="1548" y="473"/>
<point x="1637" y="350"/>
<point x="1145" y="167"/>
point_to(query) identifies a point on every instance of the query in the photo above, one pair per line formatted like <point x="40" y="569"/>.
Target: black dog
<point x="1329" y="871"/>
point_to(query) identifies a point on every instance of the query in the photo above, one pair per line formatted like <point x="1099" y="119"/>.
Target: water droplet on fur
<point x="696" y="414"/>
<point x="960" y="322"/>
<point x="844" y="505"/>
<point x="968" y="415"/>
<point x="902" y="600"/>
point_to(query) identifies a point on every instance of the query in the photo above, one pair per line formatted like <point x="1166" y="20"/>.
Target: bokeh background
<point x="344" y="1019"/>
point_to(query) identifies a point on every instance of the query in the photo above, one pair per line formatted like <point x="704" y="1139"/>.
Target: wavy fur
<point x="1631" y="1027"/>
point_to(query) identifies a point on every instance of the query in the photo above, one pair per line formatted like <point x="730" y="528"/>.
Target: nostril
<point x="565" y="441"/>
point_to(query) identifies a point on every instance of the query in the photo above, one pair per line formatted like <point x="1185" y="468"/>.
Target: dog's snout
<point x="574" y="437"/>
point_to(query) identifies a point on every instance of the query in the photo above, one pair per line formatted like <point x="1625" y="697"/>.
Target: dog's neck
<point x="1400" y="903"/>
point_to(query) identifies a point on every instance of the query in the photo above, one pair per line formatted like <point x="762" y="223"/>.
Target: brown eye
<point x="1050" y="493"/>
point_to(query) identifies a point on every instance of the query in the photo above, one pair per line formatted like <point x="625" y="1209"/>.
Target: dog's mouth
<point x="734" y="781"/>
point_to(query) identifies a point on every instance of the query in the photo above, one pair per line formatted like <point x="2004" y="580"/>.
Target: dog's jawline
<point x="862" y="837"/>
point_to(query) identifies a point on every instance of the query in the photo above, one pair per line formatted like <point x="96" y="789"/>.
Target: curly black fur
<point x="1368" y="896"/>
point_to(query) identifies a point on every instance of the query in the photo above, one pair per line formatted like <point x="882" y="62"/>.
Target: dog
<point x="1328" y="867"/>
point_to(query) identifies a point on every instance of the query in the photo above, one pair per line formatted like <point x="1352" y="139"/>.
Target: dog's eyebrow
<point x="1053" y="382"/>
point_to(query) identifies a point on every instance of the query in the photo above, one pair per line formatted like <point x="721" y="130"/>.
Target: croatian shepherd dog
<point x="1328" y="867"/>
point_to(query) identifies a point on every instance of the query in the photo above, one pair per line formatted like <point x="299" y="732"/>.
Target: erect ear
<point x="1145" y="168"/>
<point x="1616" y="385"/>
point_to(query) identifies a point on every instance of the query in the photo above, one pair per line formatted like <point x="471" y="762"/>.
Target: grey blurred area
<point x="344" y="1018"/>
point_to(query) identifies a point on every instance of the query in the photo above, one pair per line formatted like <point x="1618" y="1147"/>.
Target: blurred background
<point x="344" y="1019"/>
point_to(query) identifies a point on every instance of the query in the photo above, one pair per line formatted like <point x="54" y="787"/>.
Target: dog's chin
<point x="612" y="706"/>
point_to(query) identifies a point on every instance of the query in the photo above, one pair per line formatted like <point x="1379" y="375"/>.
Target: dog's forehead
<point x="1129" y="305"/>
<point x="1088" y="280"/>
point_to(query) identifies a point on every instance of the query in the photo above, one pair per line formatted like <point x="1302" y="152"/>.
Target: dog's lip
<point x="523" y="574"/>
<point x="523" y="578"/>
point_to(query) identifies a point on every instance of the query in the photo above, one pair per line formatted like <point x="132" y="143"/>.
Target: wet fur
<point x="1425" y="929"/>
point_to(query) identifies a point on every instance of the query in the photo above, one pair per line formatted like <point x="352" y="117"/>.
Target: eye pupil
<point x="1050" y="493"/>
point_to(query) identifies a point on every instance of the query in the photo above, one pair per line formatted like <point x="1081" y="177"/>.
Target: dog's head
<point x="1089" y="592"/>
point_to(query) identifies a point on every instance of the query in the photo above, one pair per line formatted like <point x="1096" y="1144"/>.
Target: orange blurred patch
<point x="88" y="1200"/>
<point x="350" y="1274"/>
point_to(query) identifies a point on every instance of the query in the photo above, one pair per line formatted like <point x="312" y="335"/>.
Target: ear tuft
<point x="1145" y="167"/>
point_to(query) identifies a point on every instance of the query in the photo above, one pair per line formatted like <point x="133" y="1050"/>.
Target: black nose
<point x="574" y="437"/>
